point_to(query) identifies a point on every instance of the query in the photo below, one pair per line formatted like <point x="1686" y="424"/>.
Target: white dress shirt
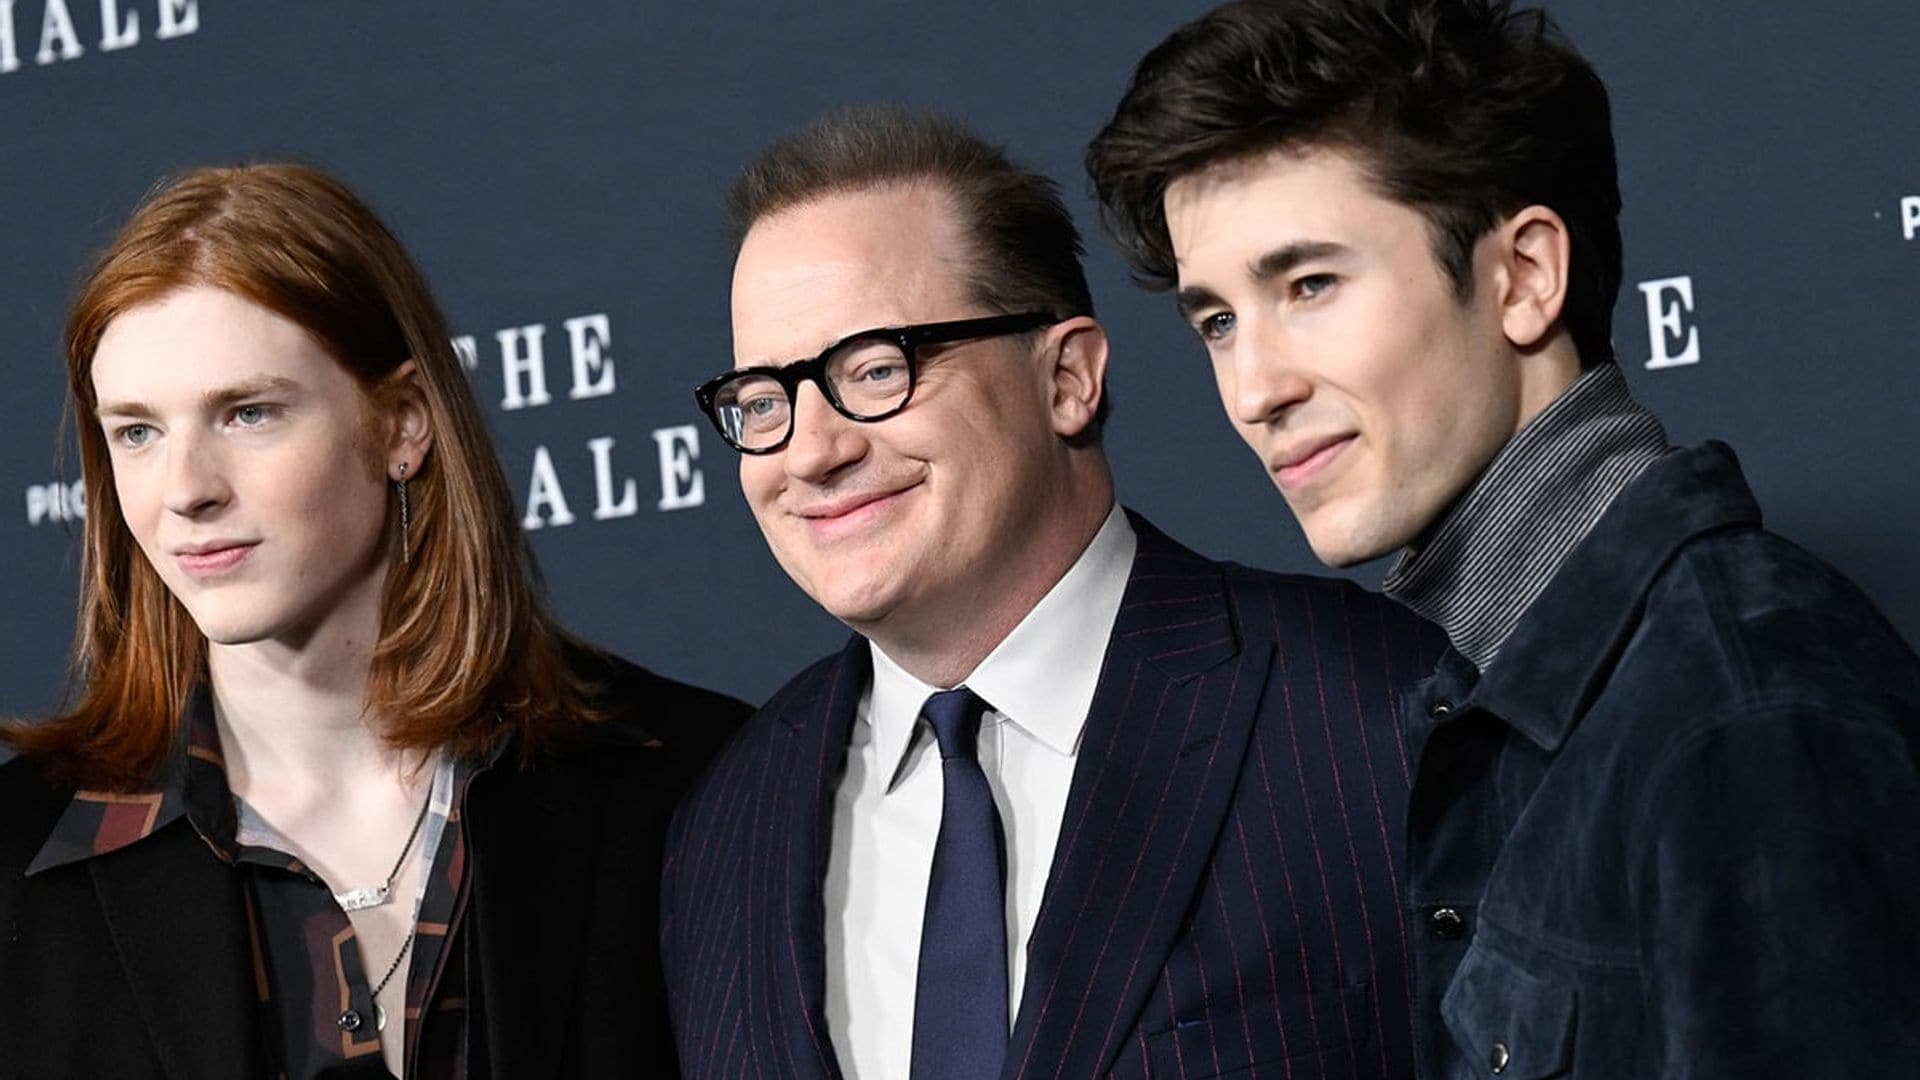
<point x="1039" y="684"/>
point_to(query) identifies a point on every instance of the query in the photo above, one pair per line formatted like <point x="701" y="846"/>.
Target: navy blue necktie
<point x="960" y="1000"/>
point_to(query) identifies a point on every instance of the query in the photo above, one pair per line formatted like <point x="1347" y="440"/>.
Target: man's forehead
<point x="1271" y="170"/>
<point x="1313" y="196"/>
<point x="812" y="274"/>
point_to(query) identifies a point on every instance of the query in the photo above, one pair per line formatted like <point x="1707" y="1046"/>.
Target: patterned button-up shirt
<point x="315" y="992"/>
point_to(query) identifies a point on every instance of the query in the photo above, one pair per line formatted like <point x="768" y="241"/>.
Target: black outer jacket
<point x="136" y="964"/>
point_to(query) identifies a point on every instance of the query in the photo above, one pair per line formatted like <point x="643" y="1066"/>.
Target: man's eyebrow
<point x="1273" y="264"/>
<point x="211" y="401"/>
<point x="1282" y="259"/>
<point x="248" y="388"/>
<point x="1195" y="298"/>
<point x="132" y="410"/>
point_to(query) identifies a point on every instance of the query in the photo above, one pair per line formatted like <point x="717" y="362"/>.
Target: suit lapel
<point x="808" y="757"/>
<point x="1159" y="757"/>
<point x="178" y="923"/>
<point x="534" y="835"/>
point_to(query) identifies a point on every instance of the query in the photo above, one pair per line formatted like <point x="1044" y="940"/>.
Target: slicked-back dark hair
<point x="1464" y="110"/>
<point x="1027" y="251"/>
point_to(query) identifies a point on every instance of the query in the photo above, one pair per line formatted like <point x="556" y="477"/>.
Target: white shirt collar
<point x="1042" y="675"/>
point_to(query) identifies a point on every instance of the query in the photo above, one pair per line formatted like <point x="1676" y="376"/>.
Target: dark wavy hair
<point x="1464" y="110"/>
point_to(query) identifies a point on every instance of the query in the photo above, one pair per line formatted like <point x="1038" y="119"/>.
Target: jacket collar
<point x="533" y="835"/>
<point x="1163" y="746"/>
<point x="176" y="919"/>
<point x="1565" y="647"/>
<point x="1175" y="612"/>
<point x="791" y="923"/>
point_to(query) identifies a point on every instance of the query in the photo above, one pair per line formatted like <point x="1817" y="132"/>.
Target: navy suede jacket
<point x="1674" y="830"/>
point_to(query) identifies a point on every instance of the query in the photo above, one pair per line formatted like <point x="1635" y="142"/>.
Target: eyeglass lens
<point x="865" y="379"/>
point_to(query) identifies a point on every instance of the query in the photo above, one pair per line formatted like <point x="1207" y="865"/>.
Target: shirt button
<point x="1499" y="1058"/>
<point x="1447" y="924"/>
<point x="349" y="1021"/>
<point x="1439" y="710"/>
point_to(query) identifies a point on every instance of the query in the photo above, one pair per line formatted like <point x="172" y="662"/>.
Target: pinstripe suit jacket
<point x="1225" y="899"/>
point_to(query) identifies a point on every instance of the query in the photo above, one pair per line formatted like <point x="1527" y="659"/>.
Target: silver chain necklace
<point x="374" y="895"/>
<point x="379" y="1013"/>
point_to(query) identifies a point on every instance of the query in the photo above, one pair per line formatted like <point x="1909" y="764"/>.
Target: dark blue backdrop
<point x="560" y="162"/>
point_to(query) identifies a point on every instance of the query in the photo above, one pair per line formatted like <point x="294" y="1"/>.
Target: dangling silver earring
<point x="406" y="521"/>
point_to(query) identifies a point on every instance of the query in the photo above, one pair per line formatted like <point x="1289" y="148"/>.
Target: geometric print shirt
<point x="315" y="994"/>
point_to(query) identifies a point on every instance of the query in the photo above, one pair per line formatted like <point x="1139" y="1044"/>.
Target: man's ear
<point x="1078" y="348"/>
<point x="1535" y="254"/>
<point x="402" y="402"/>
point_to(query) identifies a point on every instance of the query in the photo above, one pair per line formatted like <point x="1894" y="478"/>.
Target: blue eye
<point x="1216" y="326"/>
<point x="250" y="415"/>
<point x="1312" y="285"/>
<point x="134" y="434"/>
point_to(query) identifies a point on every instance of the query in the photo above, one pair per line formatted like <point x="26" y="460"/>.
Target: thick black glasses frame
<point x="814" y="370"/>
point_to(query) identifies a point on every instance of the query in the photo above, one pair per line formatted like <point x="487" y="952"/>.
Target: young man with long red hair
<point x="337" y="796"/>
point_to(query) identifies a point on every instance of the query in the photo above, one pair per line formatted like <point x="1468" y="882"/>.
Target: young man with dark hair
<point x="1073" y="801"/>
<point x="1665" y="795"/>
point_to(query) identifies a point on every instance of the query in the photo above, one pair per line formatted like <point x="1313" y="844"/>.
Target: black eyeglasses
<point x="866" y="376"/>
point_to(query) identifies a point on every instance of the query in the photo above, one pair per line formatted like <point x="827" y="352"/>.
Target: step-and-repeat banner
<point x="558" y="169"/>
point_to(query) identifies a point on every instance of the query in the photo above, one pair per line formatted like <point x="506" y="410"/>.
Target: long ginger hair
<point x="467" y="655"/>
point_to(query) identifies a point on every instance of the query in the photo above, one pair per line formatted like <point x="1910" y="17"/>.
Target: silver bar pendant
<point x="361" y="899"/>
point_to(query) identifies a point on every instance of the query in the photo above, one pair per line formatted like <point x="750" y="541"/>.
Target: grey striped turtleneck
<point x="1476" y="573"/>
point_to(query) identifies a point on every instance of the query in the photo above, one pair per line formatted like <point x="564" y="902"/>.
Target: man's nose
<point x="1266" y="379"/>
<point x="823" y="441"/>
<point x="195" y="476"/>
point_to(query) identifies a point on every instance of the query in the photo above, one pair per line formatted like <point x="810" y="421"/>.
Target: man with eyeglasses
<point x="1073" y="800"/>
